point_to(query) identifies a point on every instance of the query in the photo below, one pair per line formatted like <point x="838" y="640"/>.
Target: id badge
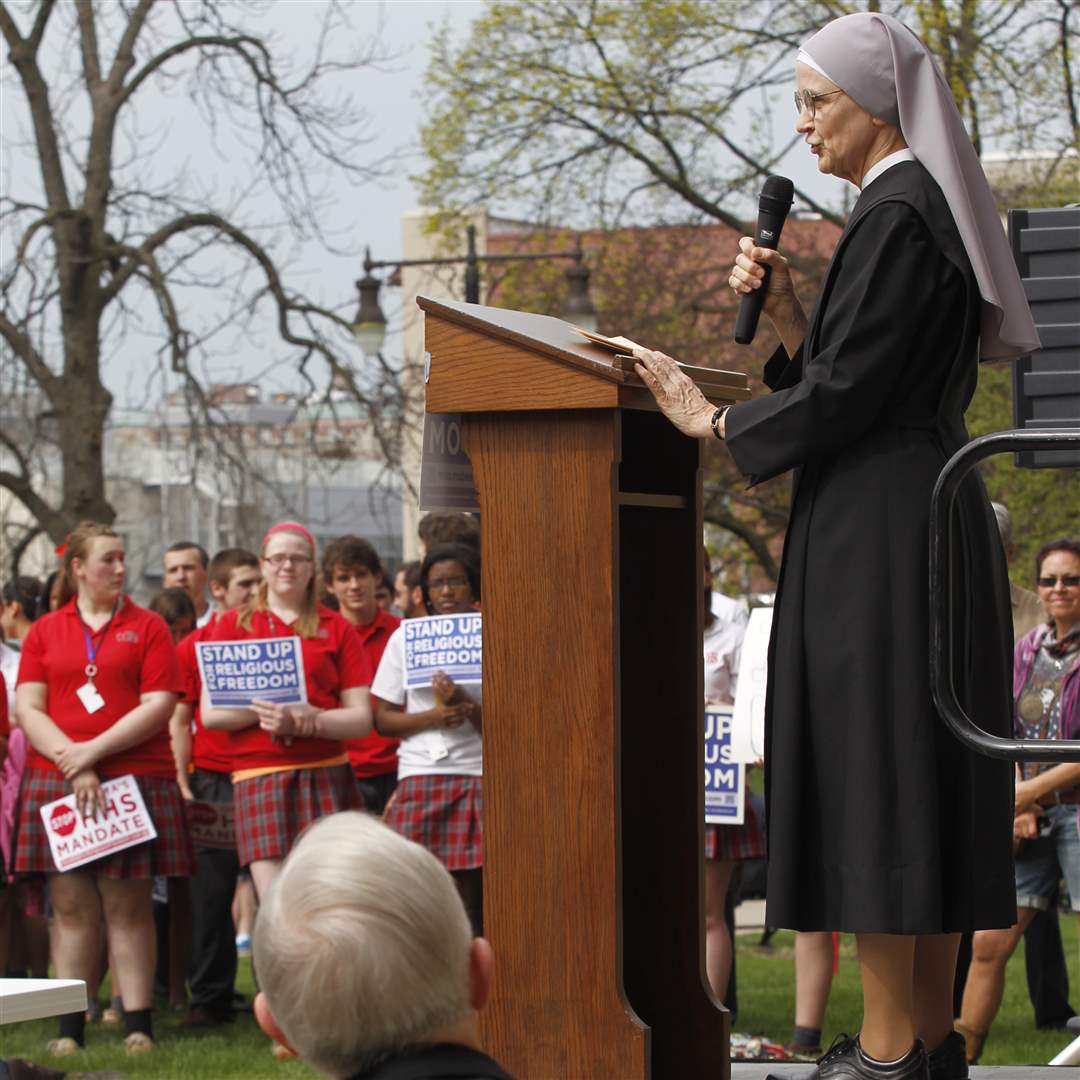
<point x="438" y="748"/>
<point x="89" y="696"/>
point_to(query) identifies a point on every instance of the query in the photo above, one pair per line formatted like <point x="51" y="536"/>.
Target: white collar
<point x="887" y="162"/>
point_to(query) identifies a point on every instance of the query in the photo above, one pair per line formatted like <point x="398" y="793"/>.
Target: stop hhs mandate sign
<point x="76" y="841"/>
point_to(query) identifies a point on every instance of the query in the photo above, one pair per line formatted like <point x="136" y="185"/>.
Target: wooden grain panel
<point x="661" y="744"/>
<point x="472" y="372"/>
<point x="551" y="878"/>
<point x="561" y="341"/>
<point x="638" y="397"/>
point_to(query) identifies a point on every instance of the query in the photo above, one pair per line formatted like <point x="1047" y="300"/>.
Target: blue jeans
<point x="1043" y="862"/>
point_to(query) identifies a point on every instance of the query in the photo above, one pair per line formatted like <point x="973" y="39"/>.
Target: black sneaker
<point x="845" y="1060"/>
<point x="949" y="1060"/>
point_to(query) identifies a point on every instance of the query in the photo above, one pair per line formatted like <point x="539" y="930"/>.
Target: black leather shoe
<point x="949" y="1060"/>
<point x="845" y="1060"/>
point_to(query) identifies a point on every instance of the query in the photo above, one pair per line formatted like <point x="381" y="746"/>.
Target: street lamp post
<point x="369" y="326"/>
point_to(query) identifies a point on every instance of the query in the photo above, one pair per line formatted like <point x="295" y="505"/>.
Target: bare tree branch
<point x="78" y="273"/>
<point x="89" y="43"/>
<point x="23" y="53"/>
<point x="23" y="347"/>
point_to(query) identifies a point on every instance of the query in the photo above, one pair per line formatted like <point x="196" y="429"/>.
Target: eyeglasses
<point x="278" y="561"/>
<point x="441" y="584"/>
<point x="808" y="99"/>
<point x="1068" y="581"/>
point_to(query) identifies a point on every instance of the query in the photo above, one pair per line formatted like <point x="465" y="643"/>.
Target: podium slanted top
<point x="496" y="359"/>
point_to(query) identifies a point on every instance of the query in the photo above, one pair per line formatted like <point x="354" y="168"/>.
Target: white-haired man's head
<point x="363" y="948"/>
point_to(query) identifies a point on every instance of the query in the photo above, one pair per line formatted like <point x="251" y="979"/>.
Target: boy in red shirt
<point x="204" y="773"/>
<point x="351" y="573"/>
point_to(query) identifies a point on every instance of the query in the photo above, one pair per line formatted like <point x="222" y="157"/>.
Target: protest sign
<point x="725" y="779"/>
<point x="211" y="824"/>
<point x="236" y="673"/>
<point x="76" y="841"/>
<point x="446" y="474"/>
<point x="748" y="736"/>
<point x="449" y="643"/>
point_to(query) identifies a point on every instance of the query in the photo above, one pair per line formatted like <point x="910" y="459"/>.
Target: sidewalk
<point x="750" y="915"/>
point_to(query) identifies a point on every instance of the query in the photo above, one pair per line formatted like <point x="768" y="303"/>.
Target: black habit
<point x="878" y="819"/>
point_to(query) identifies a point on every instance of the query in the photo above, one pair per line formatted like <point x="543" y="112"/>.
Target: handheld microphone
<point x="774" y="202"/>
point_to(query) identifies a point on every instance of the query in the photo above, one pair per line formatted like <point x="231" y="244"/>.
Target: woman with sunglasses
<point x="880" y="823"/>
<point x="438" y="803"/>
<point x="97" y="683"/>
<point x="1046" y="685"/>
<point x="290" y="761"/>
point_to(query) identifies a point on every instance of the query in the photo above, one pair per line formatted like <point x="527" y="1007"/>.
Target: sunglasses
<point x="1068" y="581"/>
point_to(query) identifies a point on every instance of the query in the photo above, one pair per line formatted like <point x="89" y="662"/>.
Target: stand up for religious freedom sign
<point x="236" y="673"/>
<point x="725" y="778"/>
<point x="449" y="643"/>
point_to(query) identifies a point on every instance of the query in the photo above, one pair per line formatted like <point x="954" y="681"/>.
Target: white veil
<point x="884" y="67"/>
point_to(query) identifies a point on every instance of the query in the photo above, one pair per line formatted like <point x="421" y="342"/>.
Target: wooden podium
<point x="593" y="737"/>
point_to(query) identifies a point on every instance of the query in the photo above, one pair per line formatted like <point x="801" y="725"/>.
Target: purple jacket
<point x="1023" y="660"/>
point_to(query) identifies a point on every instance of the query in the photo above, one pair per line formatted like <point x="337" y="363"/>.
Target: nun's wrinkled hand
<point x="679" y="399"/>
<point x="748" y="275"/>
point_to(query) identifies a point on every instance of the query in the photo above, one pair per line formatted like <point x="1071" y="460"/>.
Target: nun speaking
<point x="879" y="822"/>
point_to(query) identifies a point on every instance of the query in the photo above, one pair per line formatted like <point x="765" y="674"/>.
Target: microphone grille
<point x="778" y="187"/>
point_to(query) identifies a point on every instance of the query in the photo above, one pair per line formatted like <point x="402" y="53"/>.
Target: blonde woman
<point x="290" y="761"/>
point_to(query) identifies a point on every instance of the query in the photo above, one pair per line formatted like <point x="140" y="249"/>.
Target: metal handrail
<point x="952" y="712"/>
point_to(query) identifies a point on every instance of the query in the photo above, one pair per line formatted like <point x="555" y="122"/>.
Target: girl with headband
<point x="290" y="761"/>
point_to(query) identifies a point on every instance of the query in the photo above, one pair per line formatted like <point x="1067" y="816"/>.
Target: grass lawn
<point x="235" y="1050"/>
<point x="766" y="1000"/>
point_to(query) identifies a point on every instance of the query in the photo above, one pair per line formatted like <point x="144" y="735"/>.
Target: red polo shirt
<point x="374" y="754"/>
<point x="334" y="661"/>
<point x="209" y="749"/>
<point x="134" y="656"/>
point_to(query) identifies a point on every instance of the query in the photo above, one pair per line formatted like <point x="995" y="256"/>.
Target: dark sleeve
<point x="781" y="370"/>
<point x="869" y="330"/>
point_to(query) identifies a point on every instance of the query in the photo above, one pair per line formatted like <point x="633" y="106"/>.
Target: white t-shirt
<point x="723" y="649"/>
<point x="445" y="752"/>
<point x="9" y="668"/>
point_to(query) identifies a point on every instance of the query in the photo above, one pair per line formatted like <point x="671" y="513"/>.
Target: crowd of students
<point x="99" y="688"/>
<point x="94" y="687"/>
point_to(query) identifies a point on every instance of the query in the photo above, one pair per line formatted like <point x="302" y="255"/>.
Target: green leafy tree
<point x="603" y="114"/>
<point x="660" y="112"/>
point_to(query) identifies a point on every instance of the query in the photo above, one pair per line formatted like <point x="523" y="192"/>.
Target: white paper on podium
<point x="748" y="721"/>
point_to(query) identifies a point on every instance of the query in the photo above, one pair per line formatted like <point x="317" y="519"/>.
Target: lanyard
<point x="92" y="650"/>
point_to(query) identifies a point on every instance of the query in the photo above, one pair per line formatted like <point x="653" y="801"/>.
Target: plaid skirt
<point x="443" y="814"/>
<point x="736" y="843"/>
<point x="272" y="811"/>
<point x="170" y="854"/>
